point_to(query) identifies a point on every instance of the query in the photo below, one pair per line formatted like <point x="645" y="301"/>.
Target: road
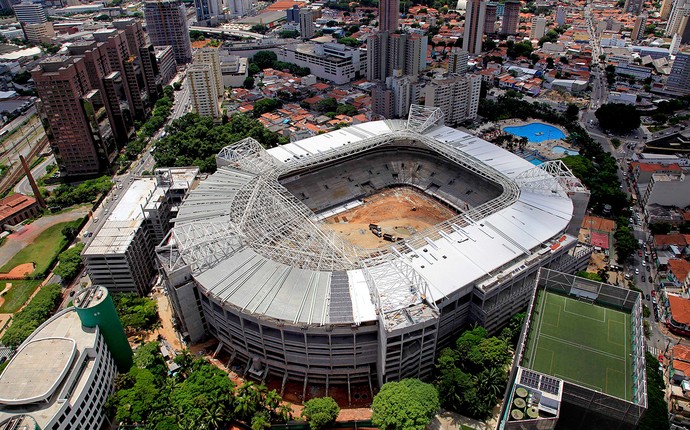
<point x="144" y="162"/>
<point x="23" y="185"/>
<point x="182" y="102"/>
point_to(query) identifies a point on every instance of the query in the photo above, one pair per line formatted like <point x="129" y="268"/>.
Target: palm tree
<point x="284" y="413"/>
<point x="491" y="381"/>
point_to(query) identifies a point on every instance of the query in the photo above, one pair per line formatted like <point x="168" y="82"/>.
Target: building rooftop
<point x="679" y="268"/>
<point x="495" y="244"/>
<point x="39" y="378"/>
<point x="680" y="309"/>
<point x="10" y="205"/>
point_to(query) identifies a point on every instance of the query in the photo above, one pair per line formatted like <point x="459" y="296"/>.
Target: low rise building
<point x="120" y="255"/>
<point x="667" y="190"/>
<point x="330" y="61"/>
<point x="62" y="374"/>
<point x="234" y="70"/>
<point x="16" y="208"/>
<point x="622" y="98"/>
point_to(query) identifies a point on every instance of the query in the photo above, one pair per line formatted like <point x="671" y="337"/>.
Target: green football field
<point x="581" y="342"/>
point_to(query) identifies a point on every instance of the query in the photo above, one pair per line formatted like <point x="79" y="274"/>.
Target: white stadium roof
<point x="312" y="277"/>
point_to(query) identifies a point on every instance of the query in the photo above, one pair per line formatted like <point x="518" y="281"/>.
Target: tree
<point x="265" y="59"/>
<point x="350" y="41"/>
<point x="327" y="105"/>
<point x="265" y="105"/>
<point x="656" y="416"/>
<point x="626" y="245"/>
<point x="70" y="263"/>
<point x="409" y="404"/>
<point x="320" y="412"/>
<point x="33" y="315"/>
<point x="136" y="313"/>
<point x="618" y="117"/>
<point x="259" y="28"/>
<point x="248" y="82"/>
<point x="346" y="109"/>
<point x="572" y="111"/>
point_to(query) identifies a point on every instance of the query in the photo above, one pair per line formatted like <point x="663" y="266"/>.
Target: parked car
<point x="647" y="297"/>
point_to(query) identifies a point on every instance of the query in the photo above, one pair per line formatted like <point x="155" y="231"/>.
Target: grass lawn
<point x="17" y="295"/>
<point x="43" y="251"/>
<point x="581" y="342"/>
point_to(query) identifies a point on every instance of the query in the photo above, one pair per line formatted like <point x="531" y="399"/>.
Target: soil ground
<point x="400" y="212"/>
<point x="166" y="329"/>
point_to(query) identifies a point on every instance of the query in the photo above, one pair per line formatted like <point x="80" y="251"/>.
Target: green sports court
<point x="581" y="342"/>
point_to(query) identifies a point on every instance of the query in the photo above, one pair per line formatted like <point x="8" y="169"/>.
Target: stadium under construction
<point x="251" y="262"/>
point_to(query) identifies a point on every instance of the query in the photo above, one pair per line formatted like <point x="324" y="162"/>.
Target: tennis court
<point x="581" y="342"/>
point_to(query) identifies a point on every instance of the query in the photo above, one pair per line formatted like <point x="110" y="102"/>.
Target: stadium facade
<point x="250" y="262"/>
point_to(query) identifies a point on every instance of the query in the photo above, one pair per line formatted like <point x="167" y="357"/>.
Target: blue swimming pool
<point x="558" y="149"/>
<point x="536" y="132"/>
<point x="536" y="161"/>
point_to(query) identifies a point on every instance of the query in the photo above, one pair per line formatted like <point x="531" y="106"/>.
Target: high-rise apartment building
<point x="639" y="27"/>
<point x="306" y="23"/>
<point x="511" y="18"/>
<point x="457" y="63"/>
<point x="680" y="9"/>
<point x="560" y="15"/>
<point x="201" y="81"/>
<point x="210" y="55"/>
<point x="665" y="10"/>
<point x="382" y="101"/>
<point x="475" y="13"/>
<point x="389" y="14"/>
<point x="165" y="60"/>
<point x="633" y="6"/>
<point x="74" y="117"/>
<point x="679" y="79"/>
<point x="30" y="13"/>
<point x="166" y="24"/>
<point x="457" y="96"/>
<point x="387" y="53"/>
<point x="538" y="27"/>
<point x="684" y="30"/>
<point x="490" y="18"/>
<point x="208" y="10"/>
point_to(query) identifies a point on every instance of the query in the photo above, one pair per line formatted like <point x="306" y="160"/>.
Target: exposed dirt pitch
<point x="400" y="211"/>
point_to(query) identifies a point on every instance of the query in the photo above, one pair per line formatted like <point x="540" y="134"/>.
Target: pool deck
<point x="545" y="147"/>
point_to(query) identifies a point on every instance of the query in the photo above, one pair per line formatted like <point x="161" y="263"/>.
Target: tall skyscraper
<point x="458" y="97"/>
<point x="166" y="24"/>
<point x="203" y="90"/>
<point x="389" y="14"/>
<point x="210" y="55"/>
<point x="457" y="62"/>
<point x="240" y="8"/>
<point x="679" y="79"/>
<point x="490" y="18"/>
<point x="30" y="13"/>
<point x="633" y="6"/>
<point x="475" y="13"/>
<point x="293" y="14"/>
<point x="207" y="10"/>
<point x="538" y="27"/>
<point x="560" y="15"/>
<point x="638" y="29"/>
<point x="511" y="18"/>
<point x="73" y="116"/>
<point x="140" y="45"/>
<point x="306" y="23"/>
<point x="684" y="30"/>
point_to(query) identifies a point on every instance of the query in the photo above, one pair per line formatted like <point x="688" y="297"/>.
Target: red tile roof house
<point x="17" y="208"/>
